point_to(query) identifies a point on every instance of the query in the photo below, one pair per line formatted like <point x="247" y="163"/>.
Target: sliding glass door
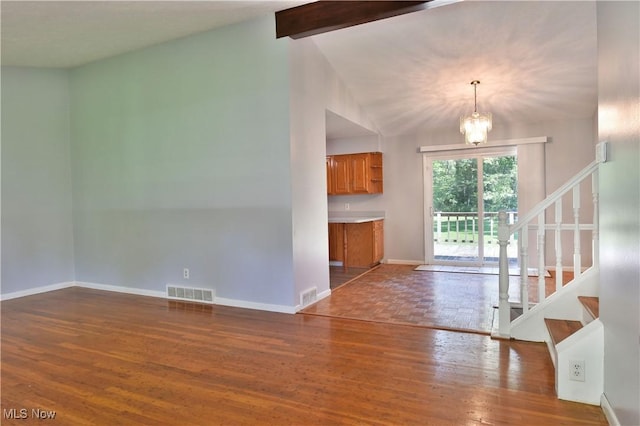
<point x="463" y="197"/>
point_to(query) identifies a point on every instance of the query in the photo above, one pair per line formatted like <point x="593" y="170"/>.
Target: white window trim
<point x="492" y="144"/>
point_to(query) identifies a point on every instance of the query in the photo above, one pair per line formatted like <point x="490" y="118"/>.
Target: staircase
<point x="577" y="348"/>
<point x="568" y="318"/>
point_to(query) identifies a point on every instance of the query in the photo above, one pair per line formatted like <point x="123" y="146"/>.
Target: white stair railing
<point x="535" y="220"/>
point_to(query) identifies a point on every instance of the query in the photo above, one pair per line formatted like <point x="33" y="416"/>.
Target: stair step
<point x="561" y="329"/>
<point x="591" y="304"/>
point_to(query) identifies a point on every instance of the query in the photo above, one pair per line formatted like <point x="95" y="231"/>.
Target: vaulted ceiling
<point x="536" y="60"/>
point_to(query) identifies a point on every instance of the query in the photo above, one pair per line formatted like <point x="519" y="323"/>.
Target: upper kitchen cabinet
<point x="354" y="173"/>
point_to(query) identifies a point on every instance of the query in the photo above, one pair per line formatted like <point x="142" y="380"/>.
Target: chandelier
<point x="475" y="127"/>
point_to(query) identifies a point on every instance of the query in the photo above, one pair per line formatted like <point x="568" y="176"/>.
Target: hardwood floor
<point x="102" y="358"/>
<point x="339" y="276"/>
<point x="443" y="300"/>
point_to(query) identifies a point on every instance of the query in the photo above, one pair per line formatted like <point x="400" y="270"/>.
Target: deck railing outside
<point x="463" y="227"/>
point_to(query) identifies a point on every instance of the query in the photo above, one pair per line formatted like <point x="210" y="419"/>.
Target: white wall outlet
<point x="347" y="206"/>
<point x="185" y="273"/>
<point x="576" y="370"/>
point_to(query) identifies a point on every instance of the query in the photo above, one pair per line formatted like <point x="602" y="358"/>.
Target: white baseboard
<point x="319" y="297"/>
<point x="154" y="293"/>
<point x="607" y="409"/>
<point x="324" y="294"/>
<point x="121" y="289"/>
<point x="403" y="262"/>
<point x="253" y="305"/>
<point x="36" y="290"/>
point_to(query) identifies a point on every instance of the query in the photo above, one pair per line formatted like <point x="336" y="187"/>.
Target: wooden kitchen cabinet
<point x="378" y="240"/>
<point x="341" y="168"/>
<point x="357" y="244"/>
<point x="330" y="183"/>
<point x="354" y="174"/>
<point x="336" y="241"/>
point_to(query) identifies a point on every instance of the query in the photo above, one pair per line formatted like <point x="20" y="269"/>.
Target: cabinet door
<point x="360" y="179"/>
<point x="336" y="241"/>
<point x="341" y="169"/>
<point x="330" y="177"/>
<point x="360" y="244"/>
<point x="378" y="240"/>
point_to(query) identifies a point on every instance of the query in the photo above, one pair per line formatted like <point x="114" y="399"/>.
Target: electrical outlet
<point x="576" y="370"/>
<point x="185" y="273"/>
<point x="347" y="206"/>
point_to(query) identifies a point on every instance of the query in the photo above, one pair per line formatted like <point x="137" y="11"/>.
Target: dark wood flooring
<point x="103" y="358"/>
<point x="339" y="276"/>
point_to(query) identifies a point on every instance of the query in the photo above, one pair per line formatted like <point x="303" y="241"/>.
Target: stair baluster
<point x="558" y="236"/>
<point x="525" y="224"/>
<point x="524" y="266"/>
<point x="577" y="257"/>
<point x="503" y="267"/>
<point x="541" y="263"/>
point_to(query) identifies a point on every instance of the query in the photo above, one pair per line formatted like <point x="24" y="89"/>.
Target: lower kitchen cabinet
<point x="336" y="241"/>
<point x="357" y="244"/>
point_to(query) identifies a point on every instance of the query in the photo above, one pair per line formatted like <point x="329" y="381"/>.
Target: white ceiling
<point x="536" y="60"/>
<point x="65" y="34"/>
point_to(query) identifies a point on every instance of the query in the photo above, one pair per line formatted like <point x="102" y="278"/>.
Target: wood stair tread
<point x="591" y="304"/>
<point x="561" y="329"/>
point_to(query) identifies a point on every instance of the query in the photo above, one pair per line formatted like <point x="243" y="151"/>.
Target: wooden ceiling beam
<point x="329" y="15"/>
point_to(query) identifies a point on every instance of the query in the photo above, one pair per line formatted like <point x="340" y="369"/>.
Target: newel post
<point x="503" y="266"/>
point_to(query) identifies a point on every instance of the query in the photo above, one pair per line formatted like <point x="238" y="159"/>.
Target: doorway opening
<point x="463" y="195"/>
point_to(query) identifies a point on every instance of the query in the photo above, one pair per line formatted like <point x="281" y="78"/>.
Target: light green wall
<point x="180" y="156"/>
<point x="37" y="244"/>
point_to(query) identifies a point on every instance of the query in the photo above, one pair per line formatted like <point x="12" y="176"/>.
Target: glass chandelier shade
<point x="476" y="126"/>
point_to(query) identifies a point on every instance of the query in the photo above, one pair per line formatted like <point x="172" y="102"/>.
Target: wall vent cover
<point x="309" y="296"/>
<point x="191" y="294"/>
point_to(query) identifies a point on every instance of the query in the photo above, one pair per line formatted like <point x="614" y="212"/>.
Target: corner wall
<point x="619" y="124"/>
<point x="315" y="88"/>
<point x="37" y="241"/>
<point x="308" y="183"/>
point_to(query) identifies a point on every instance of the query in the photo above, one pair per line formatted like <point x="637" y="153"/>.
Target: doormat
<point x="488" y="270"/>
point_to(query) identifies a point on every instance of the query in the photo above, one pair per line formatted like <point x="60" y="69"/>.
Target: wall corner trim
<point x="122" y="289"/>
<point x="153" y="293"/>
<point x="36" y="290"/>
<point x="609" y="413"/>
<point x="404" y="262"/>
<point x="235" y="303"/>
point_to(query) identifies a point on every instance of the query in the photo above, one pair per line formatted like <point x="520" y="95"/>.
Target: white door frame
<point x="457" y="154"/>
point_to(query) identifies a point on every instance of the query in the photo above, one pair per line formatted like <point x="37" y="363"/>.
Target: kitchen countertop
<point x="354" y="219"/>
